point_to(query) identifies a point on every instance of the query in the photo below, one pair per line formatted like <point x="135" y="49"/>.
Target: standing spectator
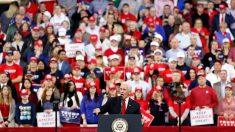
<point x="7" y="107"/>
<point x="159" y="4"/>
<point x="90" y="102"/>
<point x="200" y="14"/>
<point x="63" y="65"/>
<point x="12" y="28"/>
<point x="227" y="105"/>
<point x="184" y="36"/>
<point x="58" y="18"/>
<point x="158" y="107"/>
<point x="78" y="80"/>
<point x="69" y="5"/>
<point x="138" y="82"/>
<point x="213" y="76"/>
<point x="139" y="99"/>
<point x="8" y="15"/>
<point x="45" y="104"/>
<point x="5" y="80"/>
<point x="92" y="27"/>
<point x="27" y="85"/>
<point x="220" y="86"/>
<point x="25" y="111"/>
<point x="18" y="60"/>
<point x="98" y="7"/>
<point x="15" y="71"/>
<point x="175" y="48"/>
<point x="181" y="65"/>
<point x="203" y="96"/>
<point x="133" y="6"/>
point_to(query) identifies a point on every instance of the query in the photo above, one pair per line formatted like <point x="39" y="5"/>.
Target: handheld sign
<point x="226" y="122"/>
<point x="146" y="118"/>
<point x="70" y="115"/>
<point x="201" y="117"/>
<point x="45" y="119"/>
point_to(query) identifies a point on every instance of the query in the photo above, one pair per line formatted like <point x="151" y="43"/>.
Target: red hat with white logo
<point x="138" y="89"/>
<point x="136" y="70"/>
<point x="229" y="86"/>
<point x="76" y="67"/>
<point x="48" y="77"/>
<point x="112" y="86"/>
<point x="157" y="88"/>
<point x="102" y="29"/>
<point x="92" y="19"/>
<point x="91" y="84"/>
<point x="38" y="43"/>
<point x="92" y="60"/>
<point x="33" y="59"/>
<point x="24" y="92"/>
<point x="222" y="7"/>
<point x="53" y="59"/>
<point x="67" y="76"/>
<point x="93" y="38"/>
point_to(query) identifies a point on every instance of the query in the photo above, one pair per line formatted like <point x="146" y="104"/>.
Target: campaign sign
<point x="146" y="118"/>
<point x="71" y="49"/>
<point x="120" y="71"/>
<point x="70" y="115"/>
<point x="226" y="122"/>
<point x="45" y="119"/>
<point x="201" y="117"/>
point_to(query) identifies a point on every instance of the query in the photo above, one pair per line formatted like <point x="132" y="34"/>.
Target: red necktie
<point x="123" y="106"/>
<point x="222" y="19"/>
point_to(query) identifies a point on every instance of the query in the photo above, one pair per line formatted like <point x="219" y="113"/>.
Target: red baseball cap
<point x="102" y="29"/>
<point x="79" y="30"/>
<point x="92" y="60"/>
<point x="196" y="57"/>
<point x="112" y="87"/>
<point x="53" y="59"/>
<point x="92" y="19"/>
<point x="151" y="24"/>
<point x="76" y="67"/>
<point x="50" y="25"/>
<point x="93" y="38"/>
<point x="91" y="84"/>
<point x="138" y="89"/>
<point x="202" y="73"/>
<point x="36" y="28"/>
<point x="136" y="70"/>
<point x="33" y="59"/>
<point x="157" y="88"/>
<point x="24" y="92"/>
<point x="67" y="76"/>
<point x="38" y="43"/>
<point x="229" y="86"/>
<point x="222" y="7"/>
<point x="48" y="77"/>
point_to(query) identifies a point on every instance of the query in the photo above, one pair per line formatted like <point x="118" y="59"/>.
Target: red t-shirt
<point x="32" y="9"/>
<point x="161" y="67"/>
<point x="80" y="84"/>
<point x="143" y="104"/>
<point x="5" y="110"/>
<point x="129" y="16"/>
<point x="14" y="71"/>
<point x="203" y="97"/>
<point x="204" y="32"/>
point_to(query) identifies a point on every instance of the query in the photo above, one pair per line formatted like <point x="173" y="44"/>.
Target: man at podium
<point x="120" y="105"/>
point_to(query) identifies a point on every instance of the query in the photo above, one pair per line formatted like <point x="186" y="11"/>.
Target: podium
<point x="119" y="123"/>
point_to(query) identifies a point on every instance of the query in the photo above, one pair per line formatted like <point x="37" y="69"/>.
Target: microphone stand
<point x="56" y="103"/>
<point x="179" y="102"/>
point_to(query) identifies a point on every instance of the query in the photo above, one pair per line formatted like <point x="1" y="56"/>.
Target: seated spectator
<point x="7" y="108"/>
<point x="25" y="111"/>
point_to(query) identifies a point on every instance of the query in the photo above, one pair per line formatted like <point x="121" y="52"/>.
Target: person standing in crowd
<point x="226" y="106"/>
<point x="138" y="97"/>
<point x="25" y="111"/>
<point x="28" y="85"/>
<point x="158" y="107"/>
<point x="15" y="71"/>
<point x="90" y="102"/>
<point x="7" y="108"/>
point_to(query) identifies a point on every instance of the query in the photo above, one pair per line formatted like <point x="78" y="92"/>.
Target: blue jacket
<point x="65" y="68"/>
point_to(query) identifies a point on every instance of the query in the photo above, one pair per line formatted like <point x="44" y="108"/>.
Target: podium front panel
<point x="119" y="123"/>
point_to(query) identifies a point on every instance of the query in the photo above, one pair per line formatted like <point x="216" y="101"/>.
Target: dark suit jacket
<point x="216" y="21"/>
<point x="65" y="69"/>
<point x="113" y="106"/>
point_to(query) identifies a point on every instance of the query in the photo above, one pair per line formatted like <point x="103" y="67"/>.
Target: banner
<point x="45" y="119"/>
<point x="71" y="49"/>
<point x="146" y="118"/>
<point x="201" y="117"/>
<point x="70" y="115"/>
<point x="121" y="71"/>
<point x="225" y="122"/>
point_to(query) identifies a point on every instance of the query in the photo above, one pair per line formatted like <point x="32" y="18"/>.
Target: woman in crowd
<point x="158" y="107"/>
<point x="138" y="96"/>
<point x="71" y="98"/>
<point x="192" y="76"/>
<point x="89" y="102"/>
<point x="227" y="105"/>
<point x="7" y="108"/>
<point x="46" y="102"/>
<point x="25" y="31"/>
<point x="27" y="84"/>
<point x="18" y="43"/>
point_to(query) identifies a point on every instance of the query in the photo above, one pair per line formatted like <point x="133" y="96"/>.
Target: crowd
<point x="79" y="52"/>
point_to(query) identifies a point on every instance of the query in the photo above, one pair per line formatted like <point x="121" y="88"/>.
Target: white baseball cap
<point x="180" y="54"/>
<point x="154" y="44"/>
<point x="47" y="13"/>
<point x="158" y="51"/>
<point x="80" y="57"/>
<point x="116" y="38"/>
<point x="62" y="32"/>
<point x="159" y="36"/>
<point x="114" y="56"/>
<point x="172" y="59"/>
<point x="226" y="40"/>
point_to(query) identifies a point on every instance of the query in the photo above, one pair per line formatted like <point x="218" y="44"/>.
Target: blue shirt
<point x="87" y="108"/>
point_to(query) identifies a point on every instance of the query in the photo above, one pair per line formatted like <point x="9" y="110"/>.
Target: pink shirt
<point x="159" y="5"/>
<point x="225" y="107"/>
